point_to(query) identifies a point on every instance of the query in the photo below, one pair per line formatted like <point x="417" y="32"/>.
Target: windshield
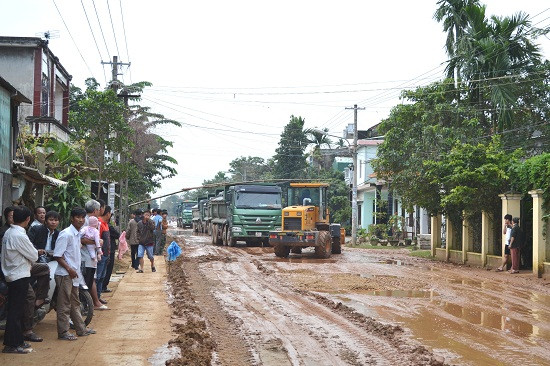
<point x="258" y="200"/>
<point x="296" y="196"/>
<point x="188" y="205"/>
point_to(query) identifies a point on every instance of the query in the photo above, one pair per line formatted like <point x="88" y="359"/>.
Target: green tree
<point x="289" y="159"/>
<point x="248" y="168"/>
<point x="318" y="139"/>
<point x="97" y="120"/>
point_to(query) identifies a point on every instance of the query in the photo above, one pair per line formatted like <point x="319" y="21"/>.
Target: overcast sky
<point x="233" y="72"/>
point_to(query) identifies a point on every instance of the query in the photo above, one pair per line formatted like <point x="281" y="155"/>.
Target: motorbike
<point x="86" y="302"/>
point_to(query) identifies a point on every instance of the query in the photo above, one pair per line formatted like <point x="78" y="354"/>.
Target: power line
<point x="125" y="40"/>
<point x="113" y="27"/>
<point x="101" y="29"/>
<point x="93" y="36"/>
<point x="68" y="31"/>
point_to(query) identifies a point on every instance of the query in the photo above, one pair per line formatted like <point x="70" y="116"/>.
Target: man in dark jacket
<point x="44" y="236"/>
<point x="146" y="237"/>
<point x="114" y="235"/>
<point x="132" y="237"/>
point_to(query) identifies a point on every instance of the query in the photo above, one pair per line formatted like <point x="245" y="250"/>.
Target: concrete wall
<point x="474" y="259"/>
<point x="17" y="67"/>
<point x="494" y="261"/>
<point x="455" y="256"/>
<point x="440" y="254"/>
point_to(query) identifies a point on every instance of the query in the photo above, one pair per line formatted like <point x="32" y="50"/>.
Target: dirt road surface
<point x="135" y="331"/>
<point x="244" y="306"/>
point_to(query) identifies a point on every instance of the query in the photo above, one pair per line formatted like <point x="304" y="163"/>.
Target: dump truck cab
<point x="306" y="222"/>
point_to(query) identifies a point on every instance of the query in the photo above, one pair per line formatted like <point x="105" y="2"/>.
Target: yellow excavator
<point x="306" y="223"/>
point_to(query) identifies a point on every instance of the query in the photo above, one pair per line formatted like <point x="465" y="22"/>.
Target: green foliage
<point x="248" y="168"/>
<point x="289" y="159"/>
<point x="379" y="231"/>
<point x="63" y="199"/>
<point x="533" y="173"/>
<point x="470" y="176"/>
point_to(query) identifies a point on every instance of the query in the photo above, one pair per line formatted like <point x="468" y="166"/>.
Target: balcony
<point x="48" y="126"/>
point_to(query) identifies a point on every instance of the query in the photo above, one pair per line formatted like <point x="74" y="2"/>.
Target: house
<point x="377" y="202"/>
<point x="29" y="65"/>
<point x="10" y="101"/>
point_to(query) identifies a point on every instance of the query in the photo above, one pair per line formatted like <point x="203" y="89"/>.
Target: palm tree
<point x="486" y="54"/>
<point x="455" y="20"/>
<point x="318" y="139"/>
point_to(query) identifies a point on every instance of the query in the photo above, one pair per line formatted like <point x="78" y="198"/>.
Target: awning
<point x="35" y="176"/>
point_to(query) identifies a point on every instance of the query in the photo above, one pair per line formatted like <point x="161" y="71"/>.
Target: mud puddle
<point x="465" y="334"/>
<point x="300" y="260"/>
<point x="403" y="293"/>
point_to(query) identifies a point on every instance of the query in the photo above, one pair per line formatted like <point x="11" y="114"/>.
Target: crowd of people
<point x="85" y="256"/>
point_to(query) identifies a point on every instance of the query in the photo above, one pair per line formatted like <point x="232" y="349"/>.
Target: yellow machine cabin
<point x="306" y="222"/>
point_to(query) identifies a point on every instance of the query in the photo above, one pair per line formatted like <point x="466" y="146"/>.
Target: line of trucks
<point x="254" y="214"/>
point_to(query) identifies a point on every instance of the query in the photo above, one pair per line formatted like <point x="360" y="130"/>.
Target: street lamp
<point x="354" y="207"/>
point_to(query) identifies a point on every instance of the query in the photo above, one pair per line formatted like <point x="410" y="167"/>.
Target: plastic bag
<point x="122" y="245"/>
<point x="173" y="251"/>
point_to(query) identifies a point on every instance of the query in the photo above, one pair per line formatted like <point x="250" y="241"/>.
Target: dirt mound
<point x="193" y="338"/>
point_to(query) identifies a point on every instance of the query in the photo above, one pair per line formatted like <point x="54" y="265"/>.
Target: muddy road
<point x="244" y="306"/>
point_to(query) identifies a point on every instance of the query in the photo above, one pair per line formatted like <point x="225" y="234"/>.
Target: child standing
<point x="92" y="233"/>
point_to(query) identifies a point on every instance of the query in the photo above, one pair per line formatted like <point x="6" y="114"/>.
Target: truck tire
<point x="281" y="251"/>
<point x="296" y="250"/>
<point x="213" y="234"/>
<point x="230" y="240"/>
<point x="324" y="248"/>
<point x="219" y="233"/>
<point x="336" y="246"/>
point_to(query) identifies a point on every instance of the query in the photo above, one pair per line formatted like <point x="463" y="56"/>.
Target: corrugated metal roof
<point x="35" y="176"/>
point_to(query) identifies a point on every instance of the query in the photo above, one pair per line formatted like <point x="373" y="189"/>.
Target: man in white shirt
<point x="68" y="277"/>
<point x="39" y="216"/>
<point x="18" y="255"/>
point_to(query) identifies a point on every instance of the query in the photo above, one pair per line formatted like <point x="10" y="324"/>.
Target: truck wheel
<point x="213" y="233"/>
<point x="230" y="240"/>
<point x="324" y="242"/>
<point x="224" y="236"/>
<point x="281" y="251"/>
<point x="336" y="246"/>
<point x="219" y="238"/>
<point x="296" y="250"/>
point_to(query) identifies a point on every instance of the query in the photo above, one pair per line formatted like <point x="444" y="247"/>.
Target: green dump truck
<point x="245" y="212"/>
<point x="184" y="212"/>
<point x="200" y="215"/>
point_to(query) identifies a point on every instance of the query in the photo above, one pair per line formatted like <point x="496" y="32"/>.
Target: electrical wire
<point x="93" y="36"/>
<point x="125" y="40"/>
<point x="101" y="29"/>
<point x="68" y="31"/>
<point x="113" y="27"/>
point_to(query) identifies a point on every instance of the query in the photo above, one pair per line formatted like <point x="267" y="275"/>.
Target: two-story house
<point x="10" y="100"/>
<point x="29" y="65"/>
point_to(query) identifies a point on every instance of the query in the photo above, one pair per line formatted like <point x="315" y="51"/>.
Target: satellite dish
<point x="49" y="34"/>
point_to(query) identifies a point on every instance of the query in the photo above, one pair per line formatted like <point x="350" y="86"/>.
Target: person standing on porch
<point x="516" y="241"/>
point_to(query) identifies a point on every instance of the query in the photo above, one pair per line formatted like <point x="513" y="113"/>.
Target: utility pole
<point x="354" y="186"/>
<point x="123" y="182"/>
